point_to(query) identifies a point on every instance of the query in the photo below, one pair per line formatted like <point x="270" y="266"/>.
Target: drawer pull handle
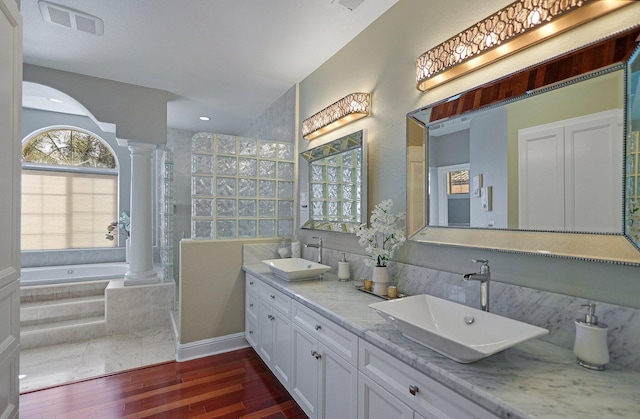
<point x="250" y="282"/>
<point x="251" y="305"/>
<point x="318" y="327"/>
<point x="270" y="317"/>
<point x="413" y="390"/>
<point x="316" y="355"/>
<point x="251" y="332"/>
<point x="273" y="297"/>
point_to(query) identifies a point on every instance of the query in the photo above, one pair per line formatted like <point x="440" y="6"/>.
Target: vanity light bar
<point x="517" y="26"/>
<point x="348" y="109"/>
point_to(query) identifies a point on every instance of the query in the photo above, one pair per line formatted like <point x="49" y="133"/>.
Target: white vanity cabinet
<point x="331" y="373"/>
<point x="324" y="375"/>
<point x="382" y="375"/>
<point x="269" y="326"/>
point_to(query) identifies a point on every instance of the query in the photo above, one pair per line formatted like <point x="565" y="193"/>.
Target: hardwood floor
<point x="231" y="385"/>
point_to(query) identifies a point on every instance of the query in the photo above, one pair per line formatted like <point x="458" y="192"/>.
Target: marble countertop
<point x="534" y="379"/>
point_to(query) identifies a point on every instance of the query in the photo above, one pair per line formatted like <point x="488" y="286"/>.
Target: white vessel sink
<point x="296" y="269"/>
<point x="462" y="333"/>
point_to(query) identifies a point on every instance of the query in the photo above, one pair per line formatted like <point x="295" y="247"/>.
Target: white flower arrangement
<point x="384" y="236"/>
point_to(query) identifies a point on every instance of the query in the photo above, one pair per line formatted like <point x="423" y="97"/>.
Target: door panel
<point x="10" y="128"/>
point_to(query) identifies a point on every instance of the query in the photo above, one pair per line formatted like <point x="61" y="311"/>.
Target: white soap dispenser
<point x="591" y="341"/>
<point x="343" y="269"/>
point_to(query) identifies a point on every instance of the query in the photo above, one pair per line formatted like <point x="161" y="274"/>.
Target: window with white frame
<point x="69" y="191"/>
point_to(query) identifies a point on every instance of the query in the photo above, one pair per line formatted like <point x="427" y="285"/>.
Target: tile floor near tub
<point x="53" y="365"/>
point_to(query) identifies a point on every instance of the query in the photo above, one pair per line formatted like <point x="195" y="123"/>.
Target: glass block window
<point x="241" y="187"/>
<point x="334" y="185"/>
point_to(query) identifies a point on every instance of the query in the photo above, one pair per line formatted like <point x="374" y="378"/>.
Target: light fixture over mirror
<point x="517" y="26"/>
<point x="336" y="184"/>
<point x="348" y="109"/>
<point x="553" y="97"/>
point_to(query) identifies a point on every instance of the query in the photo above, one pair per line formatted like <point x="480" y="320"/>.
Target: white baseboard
<point x="209" y="347"/>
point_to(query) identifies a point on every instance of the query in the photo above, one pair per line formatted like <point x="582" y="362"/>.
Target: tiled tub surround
<point x="34" y="258"/>
<point x="533" y="379"/>
<point x="555" y="312"/>
<point x="53" y="316"/>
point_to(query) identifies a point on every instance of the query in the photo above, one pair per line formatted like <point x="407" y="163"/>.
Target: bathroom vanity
<point x="338" y="358"/>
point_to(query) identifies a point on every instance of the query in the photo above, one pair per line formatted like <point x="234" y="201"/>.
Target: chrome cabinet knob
<point x="273" y="297"/>
<point x="318" y="327"/>
<point x="316" y="354"/>
<point x="413" y="390"/>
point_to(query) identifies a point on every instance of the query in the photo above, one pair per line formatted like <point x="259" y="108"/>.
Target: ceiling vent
<point x="71" y="19"/>
<point x="350" y="4"/>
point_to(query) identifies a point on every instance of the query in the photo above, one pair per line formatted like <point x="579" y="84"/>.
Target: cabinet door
<point x="338" y="386"/>
<point x="282" y="348"/>
<point x="305" y="371"/>
<point x="265" y="337"/>
<point x="377" y="403"/>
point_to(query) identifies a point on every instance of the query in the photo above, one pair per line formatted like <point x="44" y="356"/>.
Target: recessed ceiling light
<point x="54" y="100"/>
<point x="204" y="118"/>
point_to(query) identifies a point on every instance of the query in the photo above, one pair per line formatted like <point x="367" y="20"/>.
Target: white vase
<point x="380" y="280"/>
<point x="127" y="249"/>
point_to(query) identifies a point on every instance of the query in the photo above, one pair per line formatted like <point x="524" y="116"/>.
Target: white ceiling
<point x="227" y="59"/>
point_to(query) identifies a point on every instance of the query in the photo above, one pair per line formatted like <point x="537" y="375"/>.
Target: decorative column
<point x="141" y="253"/>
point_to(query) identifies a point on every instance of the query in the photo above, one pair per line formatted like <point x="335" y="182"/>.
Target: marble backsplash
<point x="555" y="312"/>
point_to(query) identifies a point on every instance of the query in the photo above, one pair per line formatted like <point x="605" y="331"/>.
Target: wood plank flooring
<point x="232" y="385"/>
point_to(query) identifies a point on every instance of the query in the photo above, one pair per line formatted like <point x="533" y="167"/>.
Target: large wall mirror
<point x="534" y="162"/>
<point x="337" y="184"/>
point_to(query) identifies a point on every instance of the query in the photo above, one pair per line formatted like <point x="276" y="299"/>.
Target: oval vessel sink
<point x="296" y="269"/>
<point x="464" y="334"/>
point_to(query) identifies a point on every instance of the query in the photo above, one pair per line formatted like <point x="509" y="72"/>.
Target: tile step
<point x="62" y="332"/>
<point x="62" y="291"/>
<point x="42" y="312"/>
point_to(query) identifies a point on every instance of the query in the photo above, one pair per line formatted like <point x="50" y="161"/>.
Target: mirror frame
<point x="567" y="68"/>
<point x="348" y="142"/>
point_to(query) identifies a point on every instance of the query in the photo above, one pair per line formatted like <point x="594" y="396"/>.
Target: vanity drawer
<point x="327" y="332"/>
<point x="275" y="298"/>
<point x="251" y="307"/>
<point x="423" y="394"/>
<point x="251" y="284"/>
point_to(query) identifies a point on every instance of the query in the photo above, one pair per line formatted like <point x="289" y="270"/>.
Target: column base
<point x="141" y="278"/>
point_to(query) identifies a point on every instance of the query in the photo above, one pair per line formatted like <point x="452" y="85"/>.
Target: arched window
<point x="69" y="190"/>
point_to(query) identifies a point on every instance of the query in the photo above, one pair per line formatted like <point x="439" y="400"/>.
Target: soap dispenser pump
<point x="343" y="269"/>
<point x="591" y="341"/>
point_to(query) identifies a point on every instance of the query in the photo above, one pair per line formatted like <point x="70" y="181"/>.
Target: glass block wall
<point x="241" y="187"/>
<point x="336" y="184"/>
<point x="166" y="216"/>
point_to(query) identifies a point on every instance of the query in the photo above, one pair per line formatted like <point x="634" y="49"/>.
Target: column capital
<point x="141" y="148"/>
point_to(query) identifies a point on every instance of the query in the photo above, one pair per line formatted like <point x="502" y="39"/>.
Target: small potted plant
<point x="123" y="227"/>
<point x="380" y="241"/>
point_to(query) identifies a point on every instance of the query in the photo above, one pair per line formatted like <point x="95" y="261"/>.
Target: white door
<point x="541" y="178"/>
<point x="338" y="386"/>
<point x="304" y="371"/>
<point x="282" y="348"/>
<point x="593" y="163"/>
<point x="378" y="403"/>
<point x="569" y="174"/>
<point x="10" y="128"/>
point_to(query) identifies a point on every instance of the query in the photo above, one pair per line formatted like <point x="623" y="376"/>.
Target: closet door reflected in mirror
<point x="545" y="149"/>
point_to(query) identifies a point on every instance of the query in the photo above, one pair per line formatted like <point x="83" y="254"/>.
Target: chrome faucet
<point x="484" y="276"/>
<point x="317" y="246"/>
